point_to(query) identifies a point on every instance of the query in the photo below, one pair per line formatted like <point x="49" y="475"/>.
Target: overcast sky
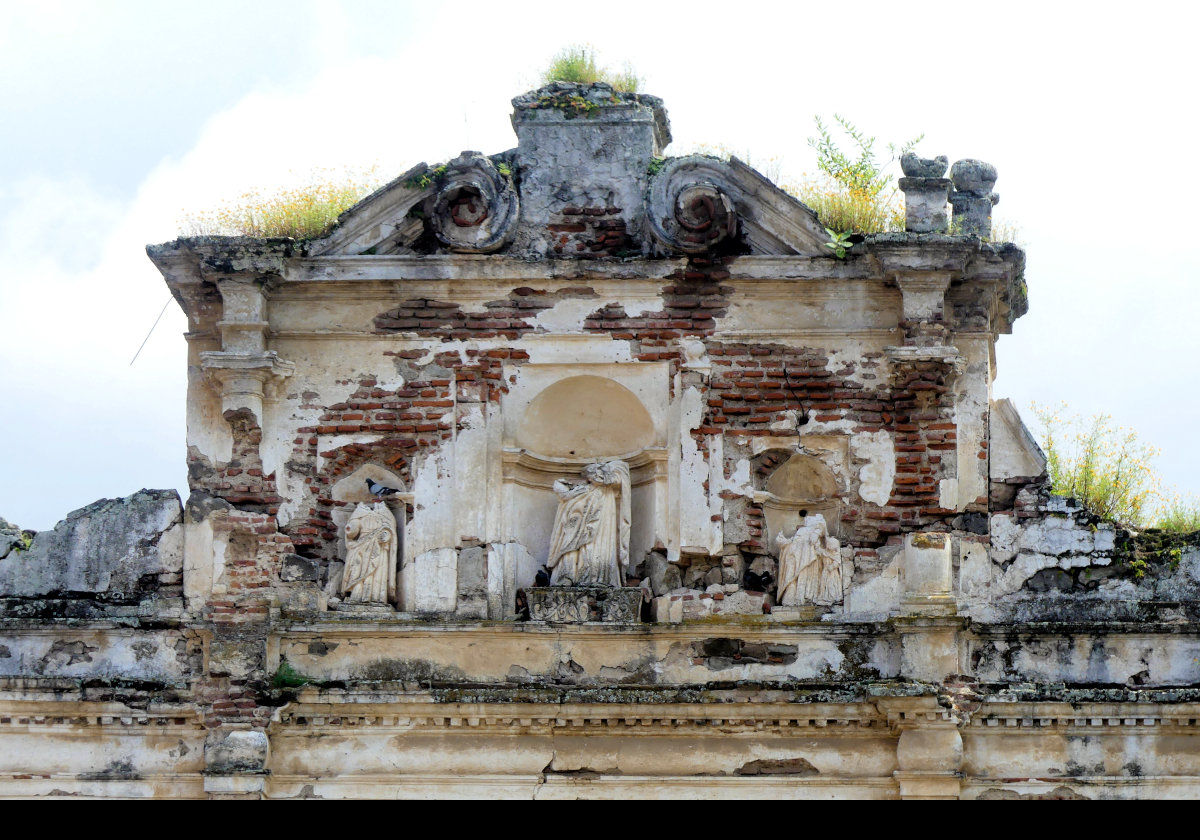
<point x="116" y="117"/>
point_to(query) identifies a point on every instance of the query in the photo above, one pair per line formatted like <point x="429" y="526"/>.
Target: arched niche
<point x="801" y="484"/>
<point x="570" y="423"/>
<point x="802" y="477"/>
<point x="584" y="418"/>
<point x="348" y="492"/>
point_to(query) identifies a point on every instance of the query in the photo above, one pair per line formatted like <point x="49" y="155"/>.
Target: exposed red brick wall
<point x="591" y="233"/>
<point x="241" y="481"/>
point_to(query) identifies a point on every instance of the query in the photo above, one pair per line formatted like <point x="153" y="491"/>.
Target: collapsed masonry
<point x="473" y="336"/>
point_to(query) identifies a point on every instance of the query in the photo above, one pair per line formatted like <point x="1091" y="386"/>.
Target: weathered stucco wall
<point x="474" y="332"/>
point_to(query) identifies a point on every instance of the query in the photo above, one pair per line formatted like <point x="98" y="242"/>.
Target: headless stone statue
<point x="589" y="545"/>
<point x="370" y="573"/>
<point x="810" y="565"/>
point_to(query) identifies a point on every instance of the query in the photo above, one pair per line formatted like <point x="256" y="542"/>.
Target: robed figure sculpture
<point x="810" y="565"/>
<point x="371" y="543"/>
<point x="589" y="544"/>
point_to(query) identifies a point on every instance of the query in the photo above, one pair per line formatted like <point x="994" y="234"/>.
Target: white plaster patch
<point x="948" y="493"/>
<point x="761" y="443"/>
<point x="975" y="570"/>
<point x="694" y="523"/>
<point x="575" y="349"/>
<point x="566" y="316"/>
<point x="877" y="598"/>
<point x="879" y="474"/>
<point x="1004" y="532"/>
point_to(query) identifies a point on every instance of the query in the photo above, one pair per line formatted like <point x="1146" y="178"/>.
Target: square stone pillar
<point x="928" y="623"/>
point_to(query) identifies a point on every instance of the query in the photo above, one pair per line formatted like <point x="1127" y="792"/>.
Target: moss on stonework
<point x="288" y="677"/>
<point x="428" y="178"/>
<point x="1153" y="552"/>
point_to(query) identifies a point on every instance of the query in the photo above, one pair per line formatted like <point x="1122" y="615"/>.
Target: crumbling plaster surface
<point x="594" y="656"/>
<point x="989" y="641"/>
<point x="109" y="548"/>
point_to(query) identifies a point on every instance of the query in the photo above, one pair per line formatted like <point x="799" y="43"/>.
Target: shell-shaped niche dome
<point x="802" y="477"/>
<point x="585" y="417"/>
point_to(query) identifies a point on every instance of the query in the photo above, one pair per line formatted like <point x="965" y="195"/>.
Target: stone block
<point x="925" y="202"/>
<point x="296" y="568"/>
<point x="239" y="751"/>
<point x="112" y="547"/>
<point x="664" y="575"/>
<point x="926" y="575"/>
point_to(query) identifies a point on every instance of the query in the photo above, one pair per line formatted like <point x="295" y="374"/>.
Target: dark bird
<point x="542" y="578"/>
<point x="380" y="490"/>
<point x="755" y="582"/>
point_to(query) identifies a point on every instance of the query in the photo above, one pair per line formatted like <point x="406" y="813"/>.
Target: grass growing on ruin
<point x="848" y="210"/>
<point x="1110" y="471"/>
<point x="578" y="64"/>
<point x="854" y="192"/>
<point x="1179" y="514"/>
<point x="307" y="211"/>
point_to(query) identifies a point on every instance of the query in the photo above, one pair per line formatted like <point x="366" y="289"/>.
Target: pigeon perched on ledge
<point x="380" y="490"/>
<point x="542" y="578"/>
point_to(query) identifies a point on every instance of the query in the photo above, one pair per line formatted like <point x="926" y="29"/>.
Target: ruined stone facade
<point x="457" y="351"/>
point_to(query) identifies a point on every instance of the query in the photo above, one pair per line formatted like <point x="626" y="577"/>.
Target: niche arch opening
<point x="582" y="418"/>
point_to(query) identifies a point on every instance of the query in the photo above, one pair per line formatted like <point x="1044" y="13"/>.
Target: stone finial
<point x="919" y="167"/>
<point x="926" y="190"/>
<point x="972" y="197"/>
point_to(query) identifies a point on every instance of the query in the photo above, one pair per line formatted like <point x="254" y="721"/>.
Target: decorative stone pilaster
<point x="243" y="377"/>
<point x="926" y="191"/>
<point x="928" y="623"/>
<point x="929" y="749"/>
<point x="243" y="367"/>
<point x="972" y="197"/>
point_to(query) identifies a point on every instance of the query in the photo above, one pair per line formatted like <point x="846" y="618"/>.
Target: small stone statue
<point x="810" y="565"/>
<point x="589" y="544"/>
<point x="371" y="544"/>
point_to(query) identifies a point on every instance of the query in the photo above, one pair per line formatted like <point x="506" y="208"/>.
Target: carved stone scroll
<point x="476" y="208"/>
<point x="688" y="209"/>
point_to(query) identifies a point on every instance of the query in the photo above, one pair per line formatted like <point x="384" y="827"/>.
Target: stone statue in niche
<point x="371" y="542"/>
<point x="589" y="544"/>
<point x="810" y="565"/>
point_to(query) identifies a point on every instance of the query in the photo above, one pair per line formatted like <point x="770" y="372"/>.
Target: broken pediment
<point x="587" y="180"/>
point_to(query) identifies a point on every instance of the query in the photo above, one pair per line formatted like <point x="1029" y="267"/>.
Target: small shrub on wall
<point x="1109" y="470"/>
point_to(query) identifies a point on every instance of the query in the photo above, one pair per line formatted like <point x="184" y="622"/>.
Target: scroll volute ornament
<point x="688" y="207"/>
<point x="476" y="208"/>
